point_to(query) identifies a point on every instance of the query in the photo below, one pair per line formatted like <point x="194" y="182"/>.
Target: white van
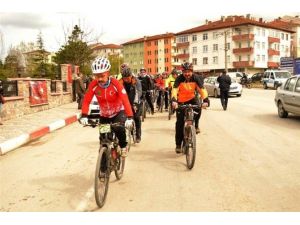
<point x="274" y="78"/>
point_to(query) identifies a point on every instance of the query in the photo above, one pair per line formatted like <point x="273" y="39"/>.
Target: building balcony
<point x="183" y="56"/>
<point x="242" y="64"/>
<point x="176" y="63"/>
<point x="183" y="45"/>
<point x="243" y="37"/>
<point x="242" y="50"/>
<point x="273" y="52"/>
<point x="273" y="64"/>
<point x="273" y="40"/>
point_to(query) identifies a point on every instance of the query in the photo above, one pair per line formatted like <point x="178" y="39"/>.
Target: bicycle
<point x="145" y="106"/>
<point x="189" y="134"/>
<point x="109" y="159"/>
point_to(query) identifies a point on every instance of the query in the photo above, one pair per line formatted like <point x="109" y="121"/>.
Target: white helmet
<point x="100" y="65"/>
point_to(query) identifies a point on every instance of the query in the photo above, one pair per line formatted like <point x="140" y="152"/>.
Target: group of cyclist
<point x="120" y="98"/>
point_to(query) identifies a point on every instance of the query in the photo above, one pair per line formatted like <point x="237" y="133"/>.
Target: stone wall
<point x="18" y="106"/>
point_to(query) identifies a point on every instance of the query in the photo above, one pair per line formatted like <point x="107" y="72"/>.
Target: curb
<point x="16" y="142"/>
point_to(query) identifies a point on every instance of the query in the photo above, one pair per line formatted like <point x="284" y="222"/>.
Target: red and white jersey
<point x="111" y="99"/>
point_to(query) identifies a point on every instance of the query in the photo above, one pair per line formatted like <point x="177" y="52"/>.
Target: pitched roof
<point x="112" y="46"/>
<point x="37" y="51"/>
<point x="281" y="24"/>
<point x="150" y="38"/>
<point x="230" y="21"/>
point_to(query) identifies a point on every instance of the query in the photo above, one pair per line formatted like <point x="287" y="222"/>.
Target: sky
<point x="119" y="21"/>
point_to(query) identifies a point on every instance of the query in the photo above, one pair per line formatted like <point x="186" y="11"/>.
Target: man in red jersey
<point x="112" y="98"/>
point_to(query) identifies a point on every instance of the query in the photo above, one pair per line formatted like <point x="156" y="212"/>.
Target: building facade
<point x="245" y="44"/>
<point x="106" y="50"/>
<point x="154" y="53"/>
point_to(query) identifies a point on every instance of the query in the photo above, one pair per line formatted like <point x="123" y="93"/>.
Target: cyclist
<point x="112" y="99"/>
<point x="147" y="87"/>
<point x="169" y="82"/>
<point x="160" y="86"/>
<point x="133" y="88"/>
<point x="183" y="92"/>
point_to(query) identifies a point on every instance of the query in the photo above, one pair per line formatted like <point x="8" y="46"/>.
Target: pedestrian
<point x="224" y="84"/>
<point x="79" y="89"/>
<point x="1" y="101"/>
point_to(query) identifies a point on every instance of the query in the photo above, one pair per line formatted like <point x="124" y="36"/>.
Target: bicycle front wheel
<point x="102" y="175"/>
<point x="119" y="167"/>
<point x="190" y="146"/>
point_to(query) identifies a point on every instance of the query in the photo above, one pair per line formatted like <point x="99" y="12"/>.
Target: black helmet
<point x="142" y="69"/>
<point x="187" y="66"/>
<point x="126" y="72"/>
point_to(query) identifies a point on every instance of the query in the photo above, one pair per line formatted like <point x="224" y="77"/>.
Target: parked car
<point x="212" y="87"/>
<point x="257" y="77"/>
<point x="274" y="78"/>
<point x="287" y="98"/>
<point x="94" y="109"/>
<point x="236" y="75"/>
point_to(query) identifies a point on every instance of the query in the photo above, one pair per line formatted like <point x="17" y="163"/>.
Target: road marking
<point x="82" y="206"/>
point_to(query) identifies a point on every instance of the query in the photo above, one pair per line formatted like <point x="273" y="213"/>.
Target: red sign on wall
<point x="38" y="92"/>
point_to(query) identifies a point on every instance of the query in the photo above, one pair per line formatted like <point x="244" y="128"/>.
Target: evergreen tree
<point x="76" y="51"/>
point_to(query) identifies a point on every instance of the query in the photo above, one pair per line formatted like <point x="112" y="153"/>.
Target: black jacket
<point x="224" y="82"/>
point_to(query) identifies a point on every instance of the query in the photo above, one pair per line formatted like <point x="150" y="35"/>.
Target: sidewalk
<point x="19" y="131"/>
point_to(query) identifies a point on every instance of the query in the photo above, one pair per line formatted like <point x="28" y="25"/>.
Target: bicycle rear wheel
<point x="119" y="166"/>
<point x="102" y="175"/>
<point x="190" y="146"/>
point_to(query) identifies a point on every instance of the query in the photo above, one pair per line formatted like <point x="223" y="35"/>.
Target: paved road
<point x="248" y="160"/>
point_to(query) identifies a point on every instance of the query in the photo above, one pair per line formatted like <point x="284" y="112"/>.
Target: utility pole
<point x="225" y="49"/>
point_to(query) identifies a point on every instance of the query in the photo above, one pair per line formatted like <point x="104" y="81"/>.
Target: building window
<point x="258" y="45"/>
<point x="263" y="58"/>
<point x="166" y="41"/>
<point x="156" y="52"/>
<point x="156" y="42"/>
<point x="194" y="61"/>
<point x="215" y="60"/>
<point x="282" y="36"/>
<point x="149" y="43"/>
<point x="228" y="59"/>
<point x="240" y="58"/>
<point x="205" y="61"/>
<point x="205" y="48"/>
<point x="156" y="61"/>
<point x="194" y="38"/>
<point x="166" y="59"/>
<point x="182" y="39"/>
<point x="258" y="31"/>
<point x="286" y="37"/>
<point x="282" y="48"/>
<point x="227" y="46"/>
<point x="205" y="36"/>
<point x="194" y="50"/>
<point x="248" y="57"/>
<point x="240" y="44"/>
<point x="215" y="35"/>
<point x="263" y="45"/>
<point x="258" y="58"/>
<point x="215" y="47"/>
<point x="166" y="50"/>
<point x="263" y="32"/>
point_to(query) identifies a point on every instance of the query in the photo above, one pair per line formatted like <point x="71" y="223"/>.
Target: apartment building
<point x="246" y="44"/>
<point x="154" y="53"/>
<point x="106" y="50"/>
<point x="291" y="23"/>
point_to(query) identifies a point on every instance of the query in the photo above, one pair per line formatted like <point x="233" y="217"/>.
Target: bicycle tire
<point x="119" y="167"/>
<point x="143" y="111"/>
<point x="128" y="138"/>
<point x="102" y="183"/>
<point x="170" y="111"/>
<point x="190" y="146"/>
<point x="133" y="134"/>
